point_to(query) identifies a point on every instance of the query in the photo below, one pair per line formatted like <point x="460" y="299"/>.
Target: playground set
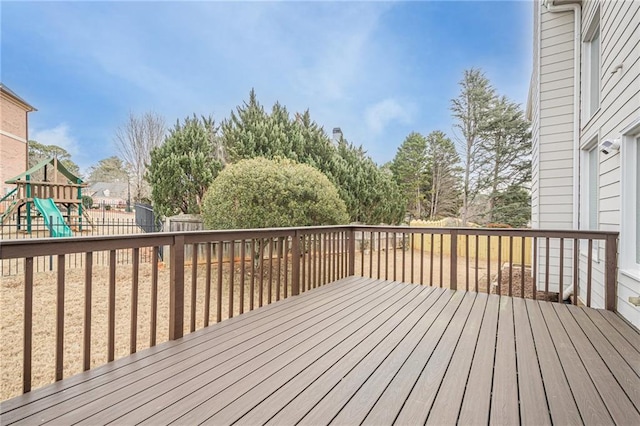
<point x="46" y="190"/>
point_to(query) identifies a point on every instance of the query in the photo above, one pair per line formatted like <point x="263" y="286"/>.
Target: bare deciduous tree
<point x="135" y="139"/>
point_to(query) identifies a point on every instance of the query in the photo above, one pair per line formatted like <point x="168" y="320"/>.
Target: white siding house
<point x="585" y="94"/>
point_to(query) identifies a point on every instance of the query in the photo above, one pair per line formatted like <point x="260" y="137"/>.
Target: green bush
<point x="261" y="193"/>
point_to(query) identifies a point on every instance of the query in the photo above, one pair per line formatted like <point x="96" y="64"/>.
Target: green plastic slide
<point x="50" y="212"/>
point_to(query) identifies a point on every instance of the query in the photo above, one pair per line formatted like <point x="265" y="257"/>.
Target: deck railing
<point x="209" y="276"/>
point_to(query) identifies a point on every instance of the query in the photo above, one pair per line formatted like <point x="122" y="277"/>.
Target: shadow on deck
<point x="373" y="351"/>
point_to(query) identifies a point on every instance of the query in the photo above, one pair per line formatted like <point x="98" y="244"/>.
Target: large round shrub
<point x="261" y="193"/>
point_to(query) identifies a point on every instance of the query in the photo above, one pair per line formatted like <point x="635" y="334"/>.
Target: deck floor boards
<point x="367" y="351"/>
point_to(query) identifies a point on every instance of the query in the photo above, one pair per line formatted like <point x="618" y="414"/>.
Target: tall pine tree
<point x="443" y="191"/>
<point x="471" y="112"/>
<point x="409" y="168"/>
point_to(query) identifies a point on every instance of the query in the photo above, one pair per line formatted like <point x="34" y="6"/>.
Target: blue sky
<point x="378" y="70"/>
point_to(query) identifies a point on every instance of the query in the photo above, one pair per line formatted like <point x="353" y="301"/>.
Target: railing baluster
<point x="534" y="261"/>
<point x="431" y="249"/>
<point x="362" y="248"/>
<point x="207" y="285"/>
<point x="371" y="255"/>
<point x="522" y="266"/>
<point x="412" y="264"/>
<point x="441" y="260"/>
<point x="610" y="264"/>
<point x="28" y="325"/>
<point x="404" y="249"/>
<point x="176" y="289"/>
<point x="112" y="306"/>
<point x="421" y="259"/>
<point x="154" y="296"/>
<point x="576" y="284"/>
<point x="242" y="273"/>
<point x="310" y="261"/>
<point x="220" y="249"/>
<point x="232" y="270"/>
<point x="295" y="264"/>
<point x="315" y="259"/>
<point x="546" y="269"/>
<point x="135" y="273"/>
<point x="477" y="238"/>
<point x="561" y="280"/>
<point x="488" y="263"/>
<point x="395" y="256"/>
<point x="499" y="264"/>
<point x="286" y="266"/>
<point x="333" y="256"/>
<point x="379" y="257"/>
<point x="194" y="286"/>
<point x="303" y="270"/>
<point x="510" y="266"/>
<point x="252" y="284"/>
<point x="352" y="253"/>
<point x="589" y="270"/>
<point x="453" y="269"/>
<point x="466" y="255"/>
<point x="386" y="256"/>
<point x="88" y="277"/>
<point x="261" y="284"/>
<point x="279" y="265"/>
<point x="270" y="290"/>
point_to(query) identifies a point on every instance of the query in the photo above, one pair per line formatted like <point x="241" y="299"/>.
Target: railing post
<point x="453" y="267"/>
<point x="352" y="252"/>
<point x="176" y="289"/>
<point x="295" y="264"/>
<point x="610" y="262"/>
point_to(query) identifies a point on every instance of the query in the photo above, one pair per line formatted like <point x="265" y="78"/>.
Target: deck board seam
<point x="475" y="348"/>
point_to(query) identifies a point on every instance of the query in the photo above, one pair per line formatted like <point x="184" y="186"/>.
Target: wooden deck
<point x="364" y="350"/>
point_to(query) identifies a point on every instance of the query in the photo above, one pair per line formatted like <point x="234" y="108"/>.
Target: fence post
<point x="295" y="264"/>
<point x="453" y="256"/>
<point x="352" y="252"/>
<point x="610" y="262"/>
<point x="176" y="289"/>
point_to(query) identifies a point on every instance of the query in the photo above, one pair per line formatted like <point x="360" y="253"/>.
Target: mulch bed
<point x="516" y="284"/>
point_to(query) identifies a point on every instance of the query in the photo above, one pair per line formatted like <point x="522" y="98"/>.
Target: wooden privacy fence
<point x="481" y="251"/>
<point x="522" y="248"/>
<point x="232" y="272"/>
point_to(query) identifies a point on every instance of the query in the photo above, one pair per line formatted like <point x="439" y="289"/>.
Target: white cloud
<point x="381" y="114"/>
<point x="58" y="135"/>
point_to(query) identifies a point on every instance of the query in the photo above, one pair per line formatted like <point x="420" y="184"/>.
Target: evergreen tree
<point x="251" y="132"/>
<point x="39" y="152"/>
<point x="512" y="206"/>
<point x="471" y="110"/>
<point x="109" y="169"/>
<point x="409" y="168"/>
<point x="507" y="147"/>
<point x="183" y="167"/>
<point x="443" y="194"/>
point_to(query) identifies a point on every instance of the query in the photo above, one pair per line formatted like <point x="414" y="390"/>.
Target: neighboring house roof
<point x="12" y="94"/>
<point x="109" y="190"/>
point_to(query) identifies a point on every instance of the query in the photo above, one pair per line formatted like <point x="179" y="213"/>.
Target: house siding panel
<point x="619" y="106"/>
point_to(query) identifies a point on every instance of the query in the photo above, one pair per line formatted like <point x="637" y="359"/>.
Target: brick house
<point x="14" y="135"/>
